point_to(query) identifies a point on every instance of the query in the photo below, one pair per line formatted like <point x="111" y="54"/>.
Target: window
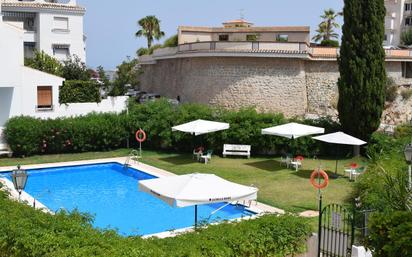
<point x="251" y="37"/>
<point x="61" y="24"/>
<point x="282" y="38"/>
<point x="44" y="97"/>
<point x="408" y="21"/>
<point x="223" y="37"/>
<point x="408" y="7"/>
<point x="29" y="48"/>
<point x="406" y="70"/>
<point x="385" y="38"/>
<point x="61" y="52"/>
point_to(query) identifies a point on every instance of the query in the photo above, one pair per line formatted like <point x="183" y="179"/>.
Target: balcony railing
<point x="243" y="46"/>
<point x="316" y="52"/>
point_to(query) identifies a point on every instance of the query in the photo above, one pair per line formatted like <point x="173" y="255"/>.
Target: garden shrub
<point x="406" y="94"/>
<point x="23" y="135"/>
<point x="330" y="43"/>
<point x="93" y="132"/>
<point x="25" y="232"/>
<point x="391" y="90"/>
<point x="97" y="132"/>
<point x="79" y="91"/>
<point x="390" y="234"/>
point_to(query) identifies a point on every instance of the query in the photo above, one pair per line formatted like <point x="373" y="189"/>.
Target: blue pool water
<point x="111" y="193"/>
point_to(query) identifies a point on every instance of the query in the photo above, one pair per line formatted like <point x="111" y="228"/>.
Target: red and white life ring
<point x="315" y="175"/>
<point x="140" y="136"/>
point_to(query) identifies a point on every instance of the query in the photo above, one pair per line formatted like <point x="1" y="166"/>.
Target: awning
<point x="292" y="130"/>
<point x="200" y="127"/>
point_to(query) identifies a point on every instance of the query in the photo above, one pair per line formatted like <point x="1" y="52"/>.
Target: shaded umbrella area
<point x="292" y="130"/>
<point x="200" y="127"/>
<point x="340" y="138"/>
<point x="196" y="189"/>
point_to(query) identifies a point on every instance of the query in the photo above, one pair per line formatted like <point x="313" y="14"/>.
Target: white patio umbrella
<point x="292" y="130"/>
<point x="196" y="189"/>
<point x="340" y="138"/>
<point x="200" y="127"/>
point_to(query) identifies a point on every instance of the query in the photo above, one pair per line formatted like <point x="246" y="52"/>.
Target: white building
<point x="23" y="91"/>
<point x="54" y="26"/>
<point x="26" y="91"/>
<point x="398" y="19"/>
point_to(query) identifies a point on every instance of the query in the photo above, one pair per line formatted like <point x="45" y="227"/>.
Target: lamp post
<point x="19" y="178"/>
<point x="408" y="158"/>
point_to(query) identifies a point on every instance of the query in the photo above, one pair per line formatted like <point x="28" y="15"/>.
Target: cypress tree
<point x="362" y="67"/>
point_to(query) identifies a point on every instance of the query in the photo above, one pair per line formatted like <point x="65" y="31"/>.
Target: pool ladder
<point x="134" y="155"/>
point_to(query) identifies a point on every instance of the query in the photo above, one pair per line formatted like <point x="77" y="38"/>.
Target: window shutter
<point x="44" y="96"/>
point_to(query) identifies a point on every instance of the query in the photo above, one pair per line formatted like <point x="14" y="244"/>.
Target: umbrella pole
<point x="337" y="155"/>
<point x="195" y="217"/>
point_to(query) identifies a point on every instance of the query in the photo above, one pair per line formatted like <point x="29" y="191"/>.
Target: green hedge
<point x="96" y="132"/>
<point x="390" y="234"/>
<point x="25" y="232"/>
<point x="79" y="91"/>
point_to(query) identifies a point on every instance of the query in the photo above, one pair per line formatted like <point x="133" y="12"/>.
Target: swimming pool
<point x="110" y="192"/>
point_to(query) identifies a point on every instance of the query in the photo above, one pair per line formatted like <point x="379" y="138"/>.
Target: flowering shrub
<point x="99" y="132"/>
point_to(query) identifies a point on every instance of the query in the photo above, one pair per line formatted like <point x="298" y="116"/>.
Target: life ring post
<point x="318" y="173"/>
<point x="140" y="137"/>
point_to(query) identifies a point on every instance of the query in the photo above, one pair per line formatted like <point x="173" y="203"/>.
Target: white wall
<point x="11" y="54"/>
<point x="46" y="37"/>
<point x="111" y="104"/>
<point x="31" y="80"/>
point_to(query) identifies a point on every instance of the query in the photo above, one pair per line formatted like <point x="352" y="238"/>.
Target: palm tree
<point x="150" y="28"/>
<point x="326" y="30"/>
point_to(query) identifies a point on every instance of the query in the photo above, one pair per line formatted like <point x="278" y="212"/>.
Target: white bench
<point x="241" y="150"/>
<point x="5" y="150"/>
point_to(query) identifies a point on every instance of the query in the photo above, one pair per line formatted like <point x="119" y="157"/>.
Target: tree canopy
<point x="362" y="67"/>
<point x="150" y="29"/>
<point x="326" y="29"/>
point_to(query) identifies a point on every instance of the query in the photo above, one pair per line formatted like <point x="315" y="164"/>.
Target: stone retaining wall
<point x="294" y="87"/>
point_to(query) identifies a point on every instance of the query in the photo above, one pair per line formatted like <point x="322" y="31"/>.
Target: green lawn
<point x="278" y="186"/>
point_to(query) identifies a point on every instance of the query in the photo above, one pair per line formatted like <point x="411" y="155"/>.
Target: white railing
<point x="315" y="51"/>
<point x="243" y="46"/>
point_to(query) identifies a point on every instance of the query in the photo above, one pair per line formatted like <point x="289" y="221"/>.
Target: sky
<point x="110" y="26"/>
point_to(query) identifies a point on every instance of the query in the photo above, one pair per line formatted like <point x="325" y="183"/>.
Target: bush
<point x="78" y="91"/>
<point x="23" y="135"/>
<point x="406" y="37"/>
<point x="25" y="232"/>
<point x="75" y="69"/>
<point x="108" y="131"/>
<point x="171" y="41"/>
<point x="390" y="234"/>
<point x="44" y="62"/>
<point x="406" y="94"/>
<point x="330" y="43"/>
<point x="94" y="132"/>
<point x="391" y="90"/>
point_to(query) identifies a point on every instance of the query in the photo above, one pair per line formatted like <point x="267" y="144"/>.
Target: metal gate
<point x="336" y="231"/>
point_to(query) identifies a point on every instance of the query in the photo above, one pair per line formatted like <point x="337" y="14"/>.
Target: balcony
<point x="219" y="46"/>
<point x="258" y="49"/>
